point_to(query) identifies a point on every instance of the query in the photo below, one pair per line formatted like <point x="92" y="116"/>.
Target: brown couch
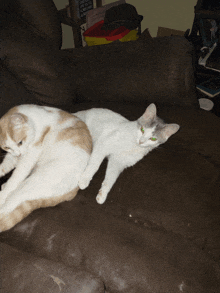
<point x="159" y="230"/>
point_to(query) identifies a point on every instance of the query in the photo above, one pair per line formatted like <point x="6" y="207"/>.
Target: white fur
<point x="41" y="171"/>
<point x="119" y="139"/>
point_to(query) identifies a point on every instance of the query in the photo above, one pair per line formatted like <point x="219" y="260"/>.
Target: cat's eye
<point x="7" y="149"/>
<point x="20" y="143"/>
<point x="153" y="139"/>
<point x="142" y="130"/>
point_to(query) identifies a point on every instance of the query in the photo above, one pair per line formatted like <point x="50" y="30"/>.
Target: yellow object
<point x="93" y="41"/>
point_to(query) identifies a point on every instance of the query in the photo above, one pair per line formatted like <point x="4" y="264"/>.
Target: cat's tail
<point x="7" y="221"/>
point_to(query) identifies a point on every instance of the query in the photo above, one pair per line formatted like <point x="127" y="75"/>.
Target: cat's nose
<point x="141" y="141"/>
<point x="17" y="153"/>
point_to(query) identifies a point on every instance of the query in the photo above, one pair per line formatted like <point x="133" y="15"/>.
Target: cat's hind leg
<point x="113" y="170"/>
<point x="44" y="187"/>
<point x="94" y="163"/>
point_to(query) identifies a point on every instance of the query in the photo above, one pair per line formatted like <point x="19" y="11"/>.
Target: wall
<point x="174" y="14"/>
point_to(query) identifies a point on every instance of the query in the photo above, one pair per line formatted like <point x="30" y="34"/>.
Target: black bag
<point x="122" y="15"/>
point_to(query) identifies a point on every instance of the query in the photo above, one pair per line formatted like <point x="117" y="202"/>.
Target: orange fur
<point x="57" y="126"/>
<point x="27" y="207"/>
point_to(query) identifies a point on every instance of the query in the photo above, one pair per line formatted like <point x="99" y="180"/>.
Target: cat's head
<point x="152" y="131"/>
<point x="15" y="133"/>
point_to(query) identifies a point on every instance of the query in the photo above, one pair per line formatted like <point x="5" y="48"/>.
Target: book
<point x="210" y="87"/>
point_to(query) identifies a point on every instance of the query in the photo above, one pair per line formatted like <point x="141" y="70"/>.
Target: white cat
<point x="48" y="150"/>
<point x="123" y="142"/>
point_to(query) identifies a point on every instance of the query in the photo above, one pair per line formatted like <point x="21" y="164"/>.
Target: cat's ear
<point x="18" y="120"/>
<point x="150" y="112"/>
<point x="170" y="129"/>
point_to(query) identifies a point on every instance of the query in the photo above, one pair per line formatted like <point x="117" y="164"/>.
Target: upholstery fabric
<point x="158" y="231"/>
<point x="138" y="71"/>
<point x="32" y="274"/>
<point x="12" y="91"/>
<point x="108" y="72"/>
<point x="40" y="18"/>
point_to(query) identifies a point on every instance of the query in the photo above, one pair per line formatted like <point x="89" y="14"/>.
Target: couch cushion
<point x="39" y="17"/>
<point x="24" y="273"/>
<point x="12" y="91"/>
<point x="28" y="50"/>
<point x="177" y="185"/>
<point x="153" y="70"/>
<point x="126" y="257"/>
<point x="44" y="74"/>
<point x="161" y="213"/>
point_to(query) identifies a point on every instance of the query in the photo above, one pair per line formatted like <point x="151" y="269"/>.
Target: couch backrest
<point x="12" y="91"/>
<point x="40" y="15"/>
<point x="151" y="70"/>
<point x="156" y="70"/>
<point x="148" y="70"/>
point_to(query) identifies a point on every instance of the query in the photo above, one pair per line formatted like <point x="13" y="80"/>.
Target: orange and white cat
<point x="48" y="149"/>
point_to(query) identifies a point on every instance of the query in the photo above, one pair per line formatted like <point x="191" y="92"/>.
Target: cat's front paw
<point x="3" y="197"/>
<point x="101" y="197"/>
<point x="3" y="186"/>
<point x="84" y="182"/>
<point x="2" y="173"/>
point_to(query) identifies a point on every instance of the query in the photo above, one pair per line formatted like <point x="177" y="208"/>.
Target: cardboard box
<point x="165" y="32"/>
